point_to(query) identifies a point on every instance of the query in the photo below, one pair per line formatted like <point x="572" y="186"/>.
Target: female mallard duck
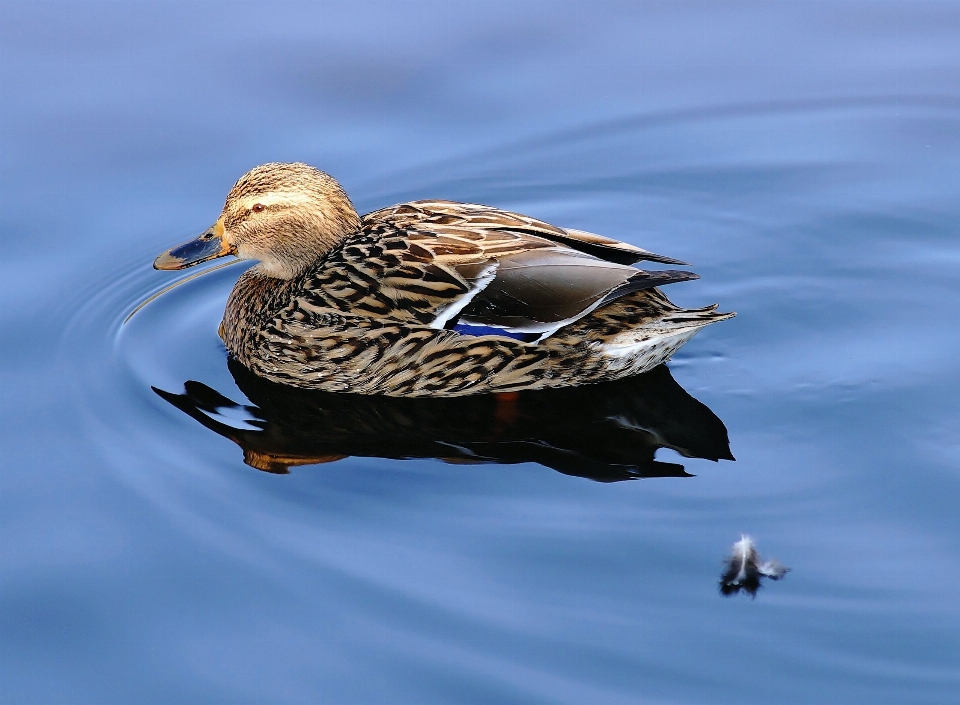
<point x="430" y="298"/>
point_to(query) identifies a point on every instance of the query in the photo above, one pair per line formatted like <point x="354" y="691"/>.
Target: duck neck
<point x="314" y="236"/>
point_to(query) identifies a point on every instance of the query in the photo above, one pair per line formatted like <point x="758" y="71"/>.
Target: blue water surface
<point x="805" y="157"/>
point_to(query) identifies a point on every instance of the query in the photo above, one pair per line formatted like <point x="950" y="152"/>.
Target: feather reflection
<point x="604" y="432"/>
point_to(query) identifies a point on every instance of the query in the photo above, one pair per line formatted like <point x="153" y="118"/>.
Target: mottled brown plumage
<point x="430" y="298"/>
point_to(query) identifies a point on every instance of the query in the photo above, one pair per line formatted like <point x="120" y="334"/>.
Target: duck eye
<point x="257" y="207"/>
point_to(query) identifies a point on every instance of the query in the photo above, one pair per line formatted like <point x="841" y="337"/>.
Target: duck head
<point x="286" y="216"/>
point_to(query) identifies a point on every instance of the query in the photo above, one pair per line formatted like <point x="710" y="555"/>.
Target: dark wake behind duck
<point x="430" y="298"/>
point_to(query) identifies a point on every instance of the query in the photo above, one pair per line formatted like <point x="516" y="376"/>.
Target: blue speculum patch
<point x="468" y="329"/>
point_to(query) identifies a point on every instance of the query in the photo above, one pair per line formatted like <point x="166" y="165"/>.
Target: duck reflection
<point x="604" y="432"/>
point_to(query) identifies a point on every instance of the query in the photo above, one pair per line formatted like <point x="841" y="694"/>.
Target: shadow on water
<point x="604" y="432"/>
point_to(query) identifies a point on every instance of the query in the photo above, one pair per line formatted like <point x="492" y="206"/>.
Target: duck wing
<point x="477" y="270"/>
<point x="536" y="292"/>
<point x="451" y="216"/>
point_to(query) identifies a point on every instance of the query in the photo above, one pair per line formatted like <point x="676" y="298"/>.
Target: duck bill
<point x="207" y="246"/>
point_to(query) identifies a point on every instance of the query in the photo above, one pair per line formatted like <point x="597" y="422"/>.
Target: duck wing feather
<point x="476" y="269"/>
<point x="430" y="214"/>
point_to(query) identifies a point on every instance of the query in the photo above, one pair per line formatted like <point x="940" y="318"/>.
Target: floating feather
<point x="745" y="569"/>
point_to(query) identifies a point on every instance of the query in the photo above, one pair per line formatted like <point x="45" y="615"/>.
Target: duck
<point x="430" y="298"/>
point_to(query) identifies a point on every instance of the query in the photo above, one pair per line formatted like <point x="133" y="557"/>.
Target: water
<point x="803" y="156"/>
